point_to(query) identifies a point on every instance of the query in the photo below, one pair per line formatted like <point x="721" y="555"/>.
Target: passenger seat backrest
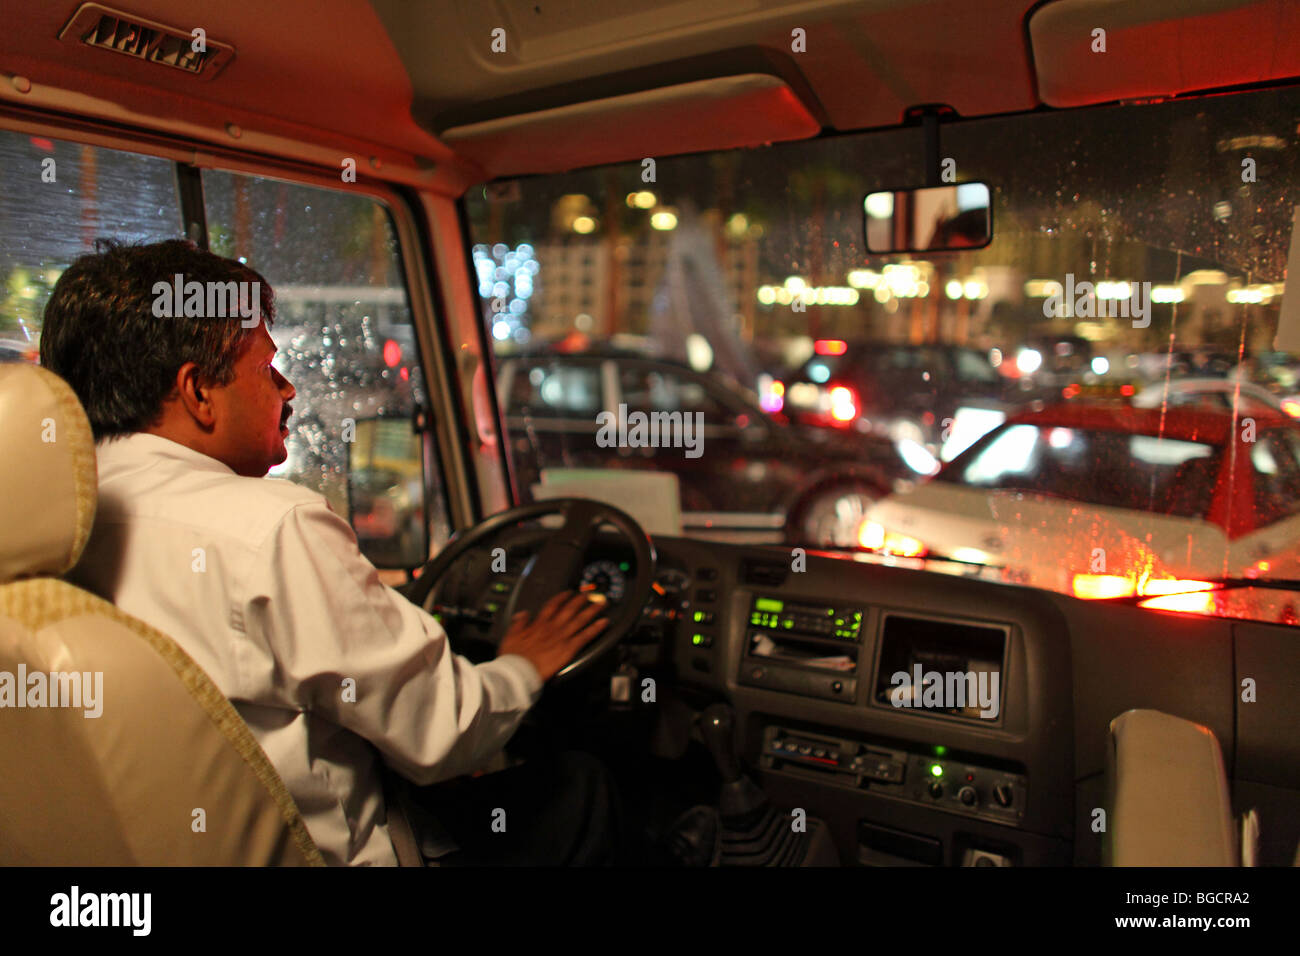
<point x="128" y="754"/>
<point x="1167" y="798"/>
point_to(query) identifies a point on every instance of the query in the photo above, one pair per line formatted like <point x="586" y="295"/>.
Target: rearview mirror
<point x="928" y="219"/>
<point x="386" y="492"/>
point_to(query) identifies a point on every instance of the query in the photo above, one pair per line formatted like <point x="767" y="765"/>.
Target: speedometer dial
<point x="603" y="578"/>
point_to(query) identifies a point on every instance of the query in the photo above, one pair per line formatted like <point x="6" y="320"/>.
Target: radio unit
<point x="802" y="648"/>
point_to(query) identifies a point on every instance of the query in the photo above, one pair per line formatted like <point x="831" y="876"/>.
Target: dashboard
<point x="828" y="665"/>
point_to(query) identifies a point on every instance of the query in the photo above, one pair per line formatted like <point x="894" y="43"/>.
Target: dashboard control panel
<point x="957" y="786"/>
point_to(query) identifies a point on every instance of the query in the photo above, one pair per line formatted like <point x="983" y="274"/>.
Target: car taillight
<point x="1194" y="602"/>
<point x="830" y="346"/>
<point x="392" y="353"/>
<point x="873" y="537"/>
<point x="1291" y="407"/>
<point x="844" y="404"/>
<point x="1101" y="587"/>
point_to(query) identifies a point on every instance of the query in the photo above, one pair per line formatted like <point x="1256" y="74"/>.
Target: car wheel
<point x="831" y="516"/>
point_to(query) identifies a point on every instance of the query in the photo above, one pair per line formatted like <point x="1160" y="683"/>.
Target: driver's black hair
<point x="101" y="335"/>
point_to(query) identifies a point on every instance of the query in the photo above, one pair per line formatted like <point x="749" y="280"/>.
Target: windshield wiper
<point x="1219" y="584"/>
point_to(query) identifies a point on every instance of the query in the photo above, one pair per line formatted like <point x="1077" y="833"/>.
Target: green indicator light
<point x="624" y="566"/>
<point x="491" y="606"/>
<point x="936" y="770"/>
<point x="839" y="621"/>
<point x="830" y="612"/>
<point x="940" y="750"/>
<point x="699" y="616"/>
<point x="857" y="615"/>
<point x="697" y="639"/>
<point x="789" y="624"/>
<point x="769" y="604"/>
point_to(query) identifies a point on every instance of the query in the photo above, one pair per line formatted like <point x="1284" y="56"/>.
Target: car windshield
<point x="1134" y="248"/>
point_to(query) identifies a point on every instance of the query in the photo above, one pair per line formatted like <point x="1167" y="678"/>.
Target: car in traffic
<point x="754" y="477"/>
<point x="1221" y="393"/>
<point x="906" y="392"/>
<point x="1104" y="499"/>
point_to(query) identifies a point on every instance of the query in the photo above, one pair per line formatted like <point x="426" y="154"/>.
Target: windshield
<point x="1136" y="249"/>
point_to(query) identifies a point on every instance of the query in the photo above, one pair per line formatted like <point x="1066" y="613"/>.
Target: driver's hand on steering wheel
<point x="564" y="625"/>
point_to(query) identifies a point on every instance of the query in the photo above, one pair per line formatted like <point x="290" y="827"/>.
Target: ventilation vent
<point x="763" y="573"/>
<point x="148" y="40"/>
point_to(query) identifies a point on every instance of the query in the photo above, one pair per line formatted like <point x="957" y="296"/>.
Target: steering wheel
<point x="553" y="568"/>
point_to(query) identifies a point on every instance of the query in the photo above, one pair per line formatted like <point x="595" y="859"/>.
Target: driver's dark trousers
<point x="562" y="810"/>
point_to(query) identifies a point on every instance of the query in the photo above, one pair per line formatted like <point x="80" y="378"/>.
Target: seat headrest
<point x="48" y="483"/>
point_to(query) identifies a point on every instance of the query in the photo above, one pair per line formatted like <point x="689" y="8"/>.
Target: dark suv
<point x="757" y="479"/>
<point x="904" y="391"/>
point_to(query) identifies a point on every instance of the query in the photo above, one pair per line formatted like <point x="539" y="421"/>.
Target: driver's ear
<point x="195" y="394"/>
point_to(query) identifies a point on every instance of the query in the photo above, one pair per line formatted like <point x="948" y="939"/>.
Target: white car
<point x="1106" y="500"/>
<point x="1215" y="393"/>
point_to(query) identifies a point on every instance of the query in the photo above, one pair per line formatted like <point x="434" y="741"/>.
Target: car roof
<point x="1181" y="423"/>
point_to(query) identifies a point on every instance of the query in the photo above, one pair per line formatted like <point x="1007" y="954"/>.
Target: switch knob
<point x="1003" y="794"/>
<point x="968" y="796"/>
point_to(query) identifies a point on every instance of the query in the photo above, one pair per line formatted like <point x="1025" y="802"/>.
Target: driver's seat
<point x="117" y="749"/>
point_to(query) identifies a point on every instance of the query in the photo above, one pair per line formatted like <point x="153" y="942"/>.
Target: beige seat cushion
<point x="123" y="788"/>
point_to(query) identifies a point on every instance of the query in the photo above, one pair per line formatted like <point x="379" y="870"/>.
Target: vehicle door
<point x="719" y="473"/>
<point x="1274" y="546"/>
<point x="551" y="405"/>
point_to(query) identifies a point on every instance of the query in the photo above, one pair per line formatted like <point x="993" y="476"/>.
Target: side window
<point x="552" y="389"/>
<point x="662" y="390"/>
<point x="343" y="318"/>
<point x="1277" y="477"/>
<point x="56" y="199"/>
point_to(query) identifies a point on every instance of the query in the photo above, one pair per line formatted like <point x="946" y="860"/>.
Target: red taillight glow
<point x="392" y="353"/>
<point x="844" y="404"/>
<point x="830" y="346"/>
<point x="1195" y="602"/>
<point x="1126" y="390"/>
<point x="1070" y="391"/>
<point x="1171" y="594"/>
<point x="1100" y="587"/>
<point x="873" y="537"/>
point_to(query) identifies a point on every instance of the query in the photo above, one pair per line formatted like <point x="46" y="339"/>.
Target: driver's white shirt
<point x="264" y="586"/>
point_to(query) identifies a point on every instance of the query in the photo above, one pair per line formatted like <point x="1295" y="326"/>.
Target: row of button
<point x="805" y="750"/>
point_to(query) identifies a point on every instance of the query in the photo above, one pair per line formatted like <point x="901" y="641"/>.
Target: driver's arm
<point x="318" y="615"/>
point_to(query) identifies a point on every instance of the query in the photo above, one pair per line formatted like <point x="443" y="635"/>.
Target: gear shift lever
<point x="745" y="830"/>
<point x="718" y="727"/>
<point x="740" y="801"/>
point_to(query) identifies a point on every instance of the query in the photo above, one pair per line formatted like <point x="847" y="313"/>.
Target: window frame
<point x="412" y="232"/>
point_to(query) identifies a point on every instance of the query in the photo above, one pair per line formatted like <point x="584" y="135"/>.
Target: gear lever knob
<point x="717" y="726"/>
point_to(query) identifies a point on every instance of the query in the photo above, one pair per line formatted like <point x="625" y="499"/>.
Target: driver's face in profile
<point x="252" y="411"/>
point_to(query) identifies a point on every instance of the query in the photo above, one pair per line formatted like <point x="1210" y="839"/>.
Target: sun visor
<point x="1098" y="51"/>
<point x="722" y="113"/>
